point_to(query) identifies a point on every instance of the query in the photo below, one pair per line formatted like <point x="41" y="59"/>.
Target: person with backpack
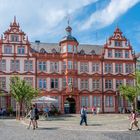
<point x="134" y="120"/>
<point x="83" y="113"/>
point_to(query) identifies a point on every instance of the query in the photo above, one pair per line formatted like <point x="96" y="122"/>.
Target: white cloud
<point x="110" y="13"/>
<point x="37" y="16"/>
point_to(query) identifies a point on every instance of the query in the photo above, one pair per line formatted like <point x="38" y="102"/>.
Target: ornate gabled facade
<point x="75" y="74"/>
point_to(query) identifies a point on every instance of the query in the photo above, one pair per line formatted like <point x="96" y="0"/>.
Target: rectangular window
<point x="15" y="65"/>
<point x="70" y="65"/>
<point x="29" y="80"/>
<point x="64" y="65"/>
<point x="83" y="67"/>
<point x="75" y="65"/>
<point x="84" y="101"/>
<point x="126" y="54"/>
<point x="96" y="84"/>
<point x="118" y="44"/>
<point x="109" y="101"/>
<point x="42" y="84"/>
<point x="118" y="68"/>
<point x="14" y="38"/>
<point x="108" y="84"/>
<point x="70" y="48"/>
<point x="54" y="83"/>
<point x="21" y="50"/>
<point x="84" y="84"/>
<point x="108" y="68"/>
<point x="2" y="65"/>
<point x="54" y="67"/>
<point x="110" y="53"/>
<point x="28" y="65"/>
<point x="64" y="83"/>
<point x="130" y="82"/>
<point x="2" y="82"/>
<point x="42" y="66"/>
<point x="95" y="67"/>
<point x="96" y="101"/>
<point x="118" y="54"/>
<point x="7" y="49"/>
<point x="128" y="68"/>
<point x="118" y="83"/>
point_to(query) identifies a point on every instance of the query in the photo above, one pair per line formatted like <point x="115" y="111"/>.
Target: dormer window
<point x="21" y="50"/>
<point x="70" y="48"/>
<point x="42" y="50"/>
<point x="14" y="38"/>
<point x="118" y="44"/>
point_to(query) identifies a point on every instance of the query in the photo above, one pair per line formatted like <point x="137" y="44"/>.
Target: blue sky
<point x="93" y="21"/>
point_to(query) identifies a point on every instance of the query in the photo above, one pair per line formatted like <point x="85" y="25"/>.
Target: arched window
<point x="54" y="50"/>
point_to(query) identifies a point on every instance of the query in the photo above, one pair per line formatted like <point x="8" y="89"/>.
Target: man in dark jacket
<point x="83" y="115"/>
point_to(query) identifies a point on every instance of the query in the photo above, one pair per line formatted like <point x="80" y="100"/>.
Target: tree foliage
<point x="131" y="92"/>
<point x="22" y="92"/>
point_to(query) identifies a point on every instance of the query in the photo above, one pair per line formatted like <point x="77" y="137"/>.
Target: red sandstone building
<point x="75" y="74"/>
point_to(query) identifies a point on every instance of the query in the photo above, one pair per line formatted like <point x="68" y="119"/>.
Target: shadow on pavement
<point x="46" y="128"/>
<point x="94" y="124"/>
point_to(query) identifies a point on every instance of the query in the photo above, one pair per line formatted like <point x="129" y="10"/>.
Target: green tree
<point x="22" y="92"/>
<point x="131" y="92"/>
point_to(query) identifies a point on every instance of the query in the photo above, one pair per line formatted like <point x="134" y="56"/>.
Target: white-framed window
<point x="14" y="38"/>
<point x="110" y="53"/>
<point x="75" y="65"/>
<point x="42" y="66"/>
<point x="83" y="67"/>
<point x="64" y="83"/>
<point x="126" y="54"/>
<point x="118" y="44"/>
<point x="28" y="65"/>
<point x="64" y="65"/>
<point x="95" y="67"/>
<point x="70" y="48"/>
<point x="130" y="82"/>
<point x="54" y="67"/>
<point x="42" y="83"/>
<point x="2" y="82"/>
<point x="21" y="50"/>
<point x="118" y="83"/>
<point x="15" y="65"/>
<point x="128" y="68"/>
<point x="70" y="65"/>
<point x="118" y="68"/>
<point x="108" y="84"/>
<point x="29" y="80"/>
<point x="109" y="101"/>
<point x="54" y="83"/>
<point x="2" y="65"/>
<point x="118" y="54"/>
<point x="108" y="68"/>
<point x="95" y="84"/>
<point x="84" y="84"/>
<point x="84" y="101"/>
<point x="96" y="101"/>
<point x="75" y="49"/>
<point x="7" y="49"/>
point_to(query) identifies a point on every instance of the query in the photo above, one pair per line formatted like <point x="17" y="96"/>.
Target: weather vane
<point x="68" y="19"/>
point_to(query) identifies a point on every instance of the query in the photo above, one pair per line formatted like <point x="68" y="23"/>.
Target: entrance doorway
<point x="70" y="106"/>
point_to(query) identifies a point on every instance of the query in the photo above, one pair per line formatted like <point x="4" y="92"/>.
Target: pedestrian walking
<point x="83" y="115"/>
<point x="31" y="115"/>
<point x="36" y="117"/>
<point x="134" y="120"/>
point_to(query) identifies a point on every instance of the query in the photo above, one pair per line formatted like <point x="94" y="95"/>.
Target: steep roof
<point x="48" y="47"/>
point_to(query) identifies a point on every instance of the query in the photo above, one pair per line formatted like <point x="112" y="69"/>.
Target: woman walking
<point x="31" y="114"/>
<point x="134" y="120"/>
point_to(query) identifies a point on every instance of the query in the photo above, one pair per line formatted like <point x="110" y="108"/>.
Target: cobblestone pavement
<point x="101" y="127"/>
